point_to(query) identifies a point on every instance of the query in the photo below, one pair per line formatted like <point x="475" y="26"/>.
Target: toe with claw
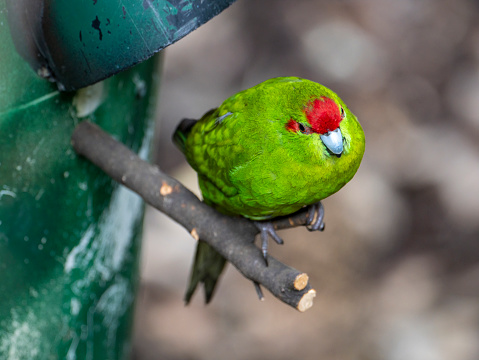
<point x="266" y="230"/>
<point x="315" y="217"/>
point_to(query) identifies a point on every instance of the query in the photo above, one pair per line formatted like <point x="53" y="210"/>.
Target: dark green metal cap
<point x="78" y="43"/>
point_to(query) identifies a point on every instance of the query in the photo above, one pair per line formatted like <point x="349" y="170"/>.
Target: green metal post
<point x="69" y="235"/>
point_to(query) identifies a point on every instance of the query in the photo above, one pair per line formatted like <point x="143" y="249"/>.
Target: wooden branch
<point x="231" y="237"/>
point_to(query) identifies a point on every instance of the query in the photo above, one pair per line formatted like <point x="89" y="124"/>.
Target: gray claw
<point x="266" y="230"/>
<point x="259" y="292"/>
<point x="315" y="217"/>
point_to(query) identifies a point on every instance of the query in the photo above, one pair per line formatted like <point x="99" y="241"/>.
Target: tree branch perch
<point x="231" y="237"/>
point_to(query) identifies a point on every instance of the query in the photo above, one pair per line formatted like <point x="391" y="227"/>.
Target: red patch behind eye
<point x="323" y="114"/>
<point x="292" y="126"/>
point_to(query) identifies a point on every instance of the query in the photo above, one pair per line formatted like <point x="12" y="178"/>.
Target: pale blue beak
<point x="333" y="140"/>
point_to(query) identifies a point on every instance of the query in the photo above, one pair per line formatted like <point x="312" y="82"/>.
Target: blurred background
<point x="397" y="268"/>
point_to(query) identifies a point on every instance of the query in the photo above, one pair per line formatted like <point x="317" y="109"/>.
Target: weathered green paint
<point x="69" y="236"/>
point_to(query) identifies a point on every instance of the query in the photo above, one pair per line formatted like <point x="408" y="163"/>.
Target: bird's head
<point x="323" y="116"/>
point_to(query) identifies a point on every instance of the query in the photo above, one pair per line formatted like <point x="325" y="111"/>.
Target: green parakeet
<point x="268" y="151"/>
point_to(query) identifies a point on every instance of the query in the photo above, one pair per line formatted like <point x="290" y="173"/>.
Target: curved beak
<point x="333" y="140"/>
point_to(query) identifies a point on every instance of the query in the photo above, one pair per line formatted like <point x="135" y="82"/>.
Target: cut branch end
<point x="306" y="301"/>
<point x="301" y="281"/>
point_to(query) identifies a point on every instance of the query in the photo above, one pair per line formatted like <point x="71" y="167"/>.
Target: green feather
<point x="208" y="266"/>
<point x="181" y="133"/>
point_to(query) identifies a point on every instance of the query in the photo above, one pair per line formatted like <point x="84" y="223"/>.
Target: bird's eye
<point x="304" y="129"/>
<point x="343" y="114"/>
<point x="295" y="126"/>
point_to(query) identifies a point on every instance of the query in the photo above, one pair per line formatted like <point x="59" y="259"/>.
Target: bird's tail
<point x="208" y="264"/>
<point x="207" y="268"/>
<point x="181" y="133"/>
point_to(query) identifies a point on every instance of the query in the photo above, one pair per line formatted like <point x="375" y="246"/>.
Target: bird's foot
<point x="266" y="230"/>
<point x="315" y="217"/>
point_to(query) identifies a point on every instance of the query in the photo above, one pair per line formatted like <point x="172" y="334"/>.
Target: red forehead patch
<point x="323" y="114"/>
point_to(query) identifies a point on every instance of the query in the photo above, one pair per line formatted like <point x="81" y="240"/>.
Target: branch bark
<point x="232" y="237"/>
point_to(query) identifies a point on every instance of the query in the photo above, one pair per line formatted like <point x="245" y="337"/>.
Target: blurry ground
<point x="397" y="269"/>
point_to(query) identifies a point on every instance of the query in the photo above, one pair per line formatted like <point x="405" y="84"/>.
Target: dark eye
<point x="304" y="129"/>
<point x="343" y="114"/>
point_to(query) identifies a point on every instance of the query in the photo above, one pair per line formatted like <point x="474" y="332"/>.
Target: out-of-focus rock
<point x="463" y="95"/>
<point x="343" y="52"/>
<point x="415" y="320"/>
<point x="370" y="199"/>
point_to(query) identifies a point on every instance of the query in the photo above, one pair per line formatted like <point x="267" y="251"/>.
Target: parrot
<point x="265" y="152"/>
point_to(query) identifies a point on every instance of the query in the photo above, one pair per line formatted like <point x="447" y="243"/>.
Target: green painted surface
<point x="69" y="236"/>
